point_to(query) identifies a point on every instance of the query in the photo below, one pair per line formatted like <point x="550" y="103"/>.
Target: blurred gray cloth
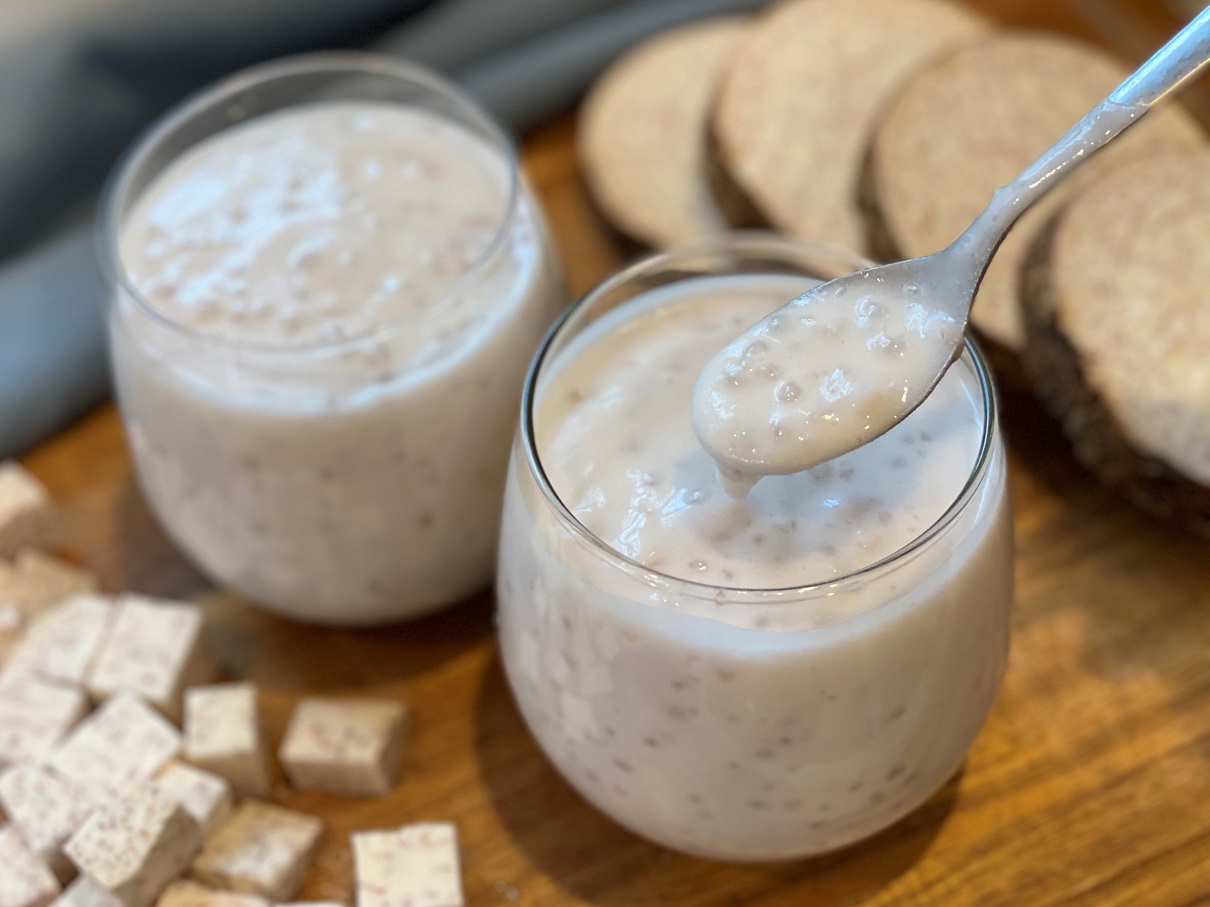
<point x="80" y="78"/>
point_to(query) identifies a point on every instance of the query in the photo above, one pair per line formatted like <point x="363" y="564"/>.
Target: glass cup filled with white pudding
<point x="328" y="279"/>
<point x="745" y="678"/>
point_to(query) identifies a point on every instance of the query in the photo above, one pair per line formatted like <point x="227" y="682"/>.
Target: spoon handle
<point x="1176" y="61"/>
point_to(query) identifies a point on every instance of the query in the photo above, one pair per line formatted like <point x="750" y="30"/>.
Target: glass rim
<point x="335" y="63"/>
<point x="749" y="242"/>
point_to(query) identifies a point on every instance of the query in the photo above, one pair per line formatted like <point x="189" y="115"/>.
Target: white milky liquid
<point x="729" y="723"/>
<point x="817" y="378"/>
<point x="329" y="434"/>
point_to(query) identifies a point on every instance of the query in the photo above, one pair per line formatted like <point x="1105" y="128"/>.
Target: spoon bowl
<point x="828" y="371"/>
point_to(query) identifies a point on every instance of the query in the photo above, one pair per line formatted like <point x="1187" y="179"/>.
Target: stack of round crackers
<point x="884" y="126"/>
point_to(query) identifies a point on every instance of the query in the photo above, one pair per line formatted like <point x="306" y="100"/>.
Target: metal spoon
<point x="844" y="363"/>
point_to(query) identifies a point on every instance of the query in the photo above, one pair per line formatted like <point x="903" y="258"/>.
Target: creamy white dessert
<point x="755" y="678"/>
<point x="320" y="382"/>
<point x="818" y="377"/>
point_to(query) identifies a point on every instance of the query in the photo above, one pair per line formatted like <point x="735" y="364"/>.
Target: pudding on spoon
<point x="821" y="376"/>
<point x="848" y="360"/>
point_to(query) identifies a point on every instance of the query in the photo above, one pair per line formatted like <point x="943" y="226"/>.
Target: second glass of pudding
<point x="329" y="277"/>
<point x="755" y="679"/>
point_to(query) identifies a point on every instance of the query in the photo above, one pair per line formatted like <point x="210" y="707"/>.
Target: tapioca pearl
<point x="722" y="537"/>
<point x="425" y="520"/>
<point x="822" y="474"/>
<point x="651" y="742"/>
<point x="866" y="309"/>
<point x="895" y="772"/>
<point x="881" y="343"/>
<point x="858" y="507"/>
<point x="757" y="805"/>
<point x="856" y="786"/>
<point x="620" y="791"/>
<point x="791" y="805"/>
<point x="755" y="350"/>
<point x="726" y="675"/>
<point x="786" y="392"/>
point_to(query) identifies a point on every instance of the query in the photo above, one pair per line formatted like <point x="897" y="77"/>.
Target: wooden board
<point x="1090" y="784"/>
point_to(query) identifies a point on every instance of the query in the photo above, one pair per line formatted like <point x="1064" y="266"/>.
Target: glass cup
<point x="752" y="724"/>
<point x="355" y="481"/>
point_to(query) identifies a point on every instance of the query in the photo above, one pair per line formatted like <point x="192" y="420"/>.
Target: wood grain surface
<point x="1090" y="784"/>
